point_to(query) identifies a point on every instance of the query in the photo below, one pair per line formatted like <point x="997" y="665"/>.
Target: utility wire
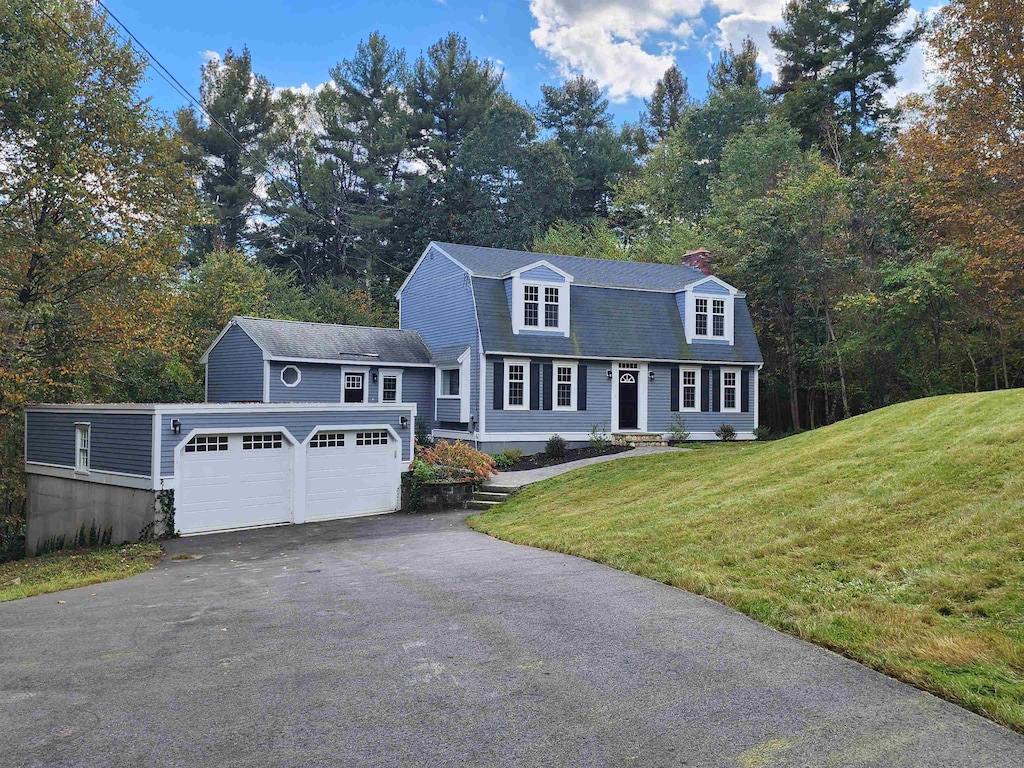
<point x="168" y="76"/>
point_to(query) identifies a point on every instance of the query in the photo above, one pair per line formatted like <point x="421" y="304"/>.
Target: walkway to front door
<point x="628" y="399"/>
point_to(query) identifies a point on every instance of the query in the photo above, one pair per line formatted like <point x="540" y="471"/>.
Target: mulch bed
<point x="538" y="460"/>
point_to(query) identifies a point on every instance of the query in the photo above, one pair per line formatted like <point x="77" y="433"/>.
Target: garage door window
<point x="207" y="443"/>
<point x="327" y="440"/>
<point x="371" y="438"/>
<point x="262" y="441"/>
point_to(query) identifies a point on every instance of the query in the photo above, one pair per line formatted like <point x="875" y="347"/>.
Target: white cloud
<point x="482" y="19"/>
<point x="613" y="41"/>
<point x="210" y="56"/>
<point x="918" y="70"/>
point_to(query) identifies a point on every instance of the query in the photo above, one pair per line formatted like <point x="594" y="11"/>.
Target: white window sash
<point x="83" y="448"/>
<point x="573" y="386"/>
<point x="738" y="407"/>
<point x="509" y="365"/>
<point x="384" y="374"/>
<point x="683" y="408"/>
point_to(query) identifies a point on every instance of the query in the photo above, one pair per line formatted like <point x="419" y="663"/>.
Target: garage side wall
<point x="299" y="423"/>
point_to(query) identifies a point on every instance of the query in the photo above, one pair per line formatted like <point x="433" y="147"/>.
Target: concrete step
<point x="506" y="489"/>
<point x="489" y="496"/>
<point x="478" y="504"/>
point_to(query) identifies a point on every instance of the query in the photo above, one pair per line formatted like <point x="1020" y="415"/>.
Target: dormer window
<point x="531" y="305"/>
<point x="539" y="298"/>
<point x="718" y="318"/>
<point x="702" y="317"/>
<point x="550" y="307"/>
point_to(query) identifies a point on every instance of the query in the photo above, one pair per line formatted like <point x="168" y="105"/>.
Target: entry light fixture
<point x="175" y="426"/>
<point x="609" y="372"/>
<point x="375" y="377"/>
<point x="650" y="375"/>
<point x="404" y="422"/>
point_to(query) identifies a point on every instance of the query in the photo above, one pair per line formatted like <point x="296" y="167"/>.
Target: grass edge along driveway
<point x="71" y="568"/>
<point x="895" y="538"/>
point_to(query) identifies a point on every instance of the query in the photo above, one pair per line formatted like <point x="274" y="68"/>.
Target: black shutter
<point x="499" y="385"/>
<point x="534" y="386"/>
<point x="745" y="377"/>
<point x="581" y="388"/>
<point x="548" y="385"/>
<point x="716" y="390"/>
<point x="705" y="389"/>
<point x="674" y="397"/>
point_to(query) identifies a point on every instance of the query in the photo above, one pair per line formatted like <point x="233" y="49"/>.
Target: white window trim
<point x="83" y="439"/>
<point x="365" y="371"/>
<point x="298" y="371"/>
<point x="696" y="386"/>
<point x="392" y="372"/>
<point x="692" y="293"/>
<point x="519" y="300"/>
<point x="526" y="385"/>
<point x="712" y="315"/>
<point x="573" y="385"/>
<point x="441" y="393"/>
<point x="641" y="369"/>
<point x="739" y="391"/>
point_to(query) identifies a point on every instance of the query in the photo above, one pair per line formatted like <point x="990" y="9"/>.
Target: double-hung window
<point x="730" y="389"/>
<point x="550" y="307"/>
<point x="718" y="318"/>
<point x="688" y="389"/>
<point x="82" y="447"/>
<point x="565" y="387"/>
<point x="390" y="387"/>
<point x="701" y="316"/>
<point x="515" y="385"/>
<point x="531" y="305"/>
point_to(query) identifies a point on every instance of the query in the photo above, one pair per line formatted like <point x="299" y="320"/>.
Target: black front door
<point x="628" y="397"/>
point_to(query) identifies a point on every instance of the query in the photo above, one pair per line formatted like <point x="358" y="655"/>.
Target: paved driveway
<point x="412" y="641"/>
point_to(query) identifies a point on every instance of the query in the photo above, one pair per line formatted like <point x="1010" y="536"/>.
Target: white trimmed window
<point x="550" y="306"/>
<point x="390" y="387"/>
<point x="517" y="381"/>
<point x="565" y="387"/>
<point x="718" y="318"/>
<point x="701" y="317"/>
<point x="291" y="376"/>
<point x="354" y="390"/>
<point x="450" y="382"/>
<point x="730" y="390"/>
<point x="83" y="439"/>
<point x="531" y="305"/>
<point x="688" y="383"/>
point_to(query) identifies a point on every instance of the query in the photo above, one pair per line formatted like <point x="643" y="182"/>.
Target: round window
<point x="290" y="375"/>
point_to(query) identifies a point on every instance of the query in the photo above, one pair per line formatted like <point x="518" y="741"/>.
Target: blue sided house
<point x="307" y="421"/>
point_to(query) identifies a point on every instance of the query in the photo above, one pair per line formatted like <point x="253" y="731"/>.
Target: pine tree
<point x="667" y="104"/>
<point x="449" y="92"/>
<point x="229" y="158"/>
<point x="736" y="69"/>
<point x="578" y="116"/>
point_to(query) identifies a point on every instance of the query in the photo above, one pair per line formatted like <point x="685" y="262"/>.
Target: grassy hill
<point x="895" y="538"/>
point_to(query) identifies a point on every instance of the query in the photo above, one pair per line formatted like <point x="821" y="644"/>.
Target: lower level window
<point x="207" y="443"/>
<point x="261" y="441"/>
<point x="688" y="381"/>
<point x="730" y="396"/>
<point x="516" y="380"/>
<point x="371" y="438"/>
<point x="82" y="447"/>
<point x="564" y="375"/>
<point x="327" y="440"/>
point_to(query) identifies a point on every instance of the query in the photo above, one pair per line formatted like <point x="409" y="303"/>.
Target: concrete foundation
<point x="59" y="506"/>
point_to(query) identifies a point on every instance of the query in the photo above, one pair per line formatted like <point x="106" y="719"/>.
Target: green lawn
<point x="74" y="568"/>
<point x="895" y="538"/>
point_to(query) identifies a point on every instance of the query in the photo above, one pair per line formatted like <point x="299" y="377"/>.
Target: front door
<point x="628" y="399"/>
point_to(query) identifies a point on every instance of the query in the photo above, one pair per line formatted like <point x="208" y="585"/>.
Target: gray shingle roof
<point x="497" y="262"/>
<point x="605" y="322"/>
<point x="288" y="338"/>
<point x="448" y="356"/>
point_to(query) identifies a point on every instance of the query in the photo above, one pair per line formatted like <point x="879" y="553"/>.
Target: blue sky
<point x="624" y="44"/>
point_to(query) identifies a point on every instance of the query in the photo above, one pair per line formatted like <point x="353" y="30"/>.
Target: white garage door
<point x="233" y="481"/>
<point x="351" y="473"/>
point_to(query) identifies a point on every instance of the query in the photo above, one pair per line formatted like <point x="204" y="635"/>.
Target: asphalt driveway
<point x="413" y="641"/>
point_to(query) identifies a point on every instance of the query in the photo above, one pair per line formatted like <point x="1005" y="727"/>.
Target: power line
<point x="179" y="88"/>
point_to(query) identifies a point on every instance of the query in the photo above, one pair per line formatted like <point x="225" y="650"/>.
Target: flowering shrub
<point x="452" y="463"/>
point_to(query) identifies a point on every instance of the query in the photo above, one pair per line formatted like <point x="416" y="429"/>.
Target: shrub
<point x="678" y="430"/>
<point x="452" y="463"/>
<point x="763" y="433"/>
<point x="423" y="436"/>
<point x="507" y="458"/>
<point x="726" y="432"/>
<point x="555" y="448"/>
<point x="599" y="439"/>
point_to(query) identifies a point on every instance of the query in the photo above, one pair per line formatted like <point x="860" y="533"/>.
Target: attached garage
<point x="234" y="481"/>
<point x="347" y="473"/>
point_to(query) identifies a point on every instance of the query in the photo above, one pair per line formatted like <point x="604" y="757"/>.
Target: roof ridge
<point x="329" y="325"/>
<point x="540" y="256"/>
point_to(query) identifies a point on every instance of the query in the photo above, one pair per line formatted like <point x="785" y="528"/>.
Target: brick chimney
<point x="698" y="259"/>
